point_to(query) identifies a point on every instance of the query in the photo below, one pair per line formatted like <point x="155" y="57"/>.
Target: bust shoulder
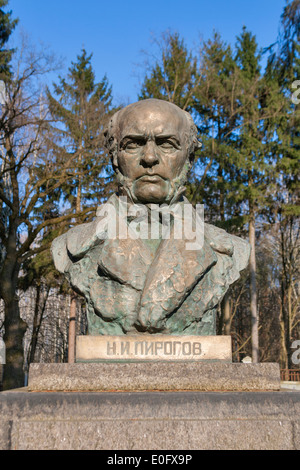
<point x="227" y="244"/>
<point x="74" y="244"/>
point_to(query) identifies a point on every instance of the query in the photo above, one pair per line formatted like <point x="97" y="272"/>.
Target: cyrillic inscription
<point x="149" y="348"/>
<point x="153" y="348"/>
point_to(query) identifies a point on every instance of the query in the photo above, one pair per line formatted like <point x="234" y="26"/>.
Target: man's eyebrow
<point x="133" y="136"/>
<point x="166" y="136"/>
<point x="143" y="136"/>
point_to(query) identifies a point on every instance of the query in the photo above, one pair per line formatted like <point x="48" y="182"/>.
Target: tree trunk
<point x="288" y="332"/>
<point x="15" y="328"/>
<point x="253" y="290"/>
<point x="34" y="337"/>
<point x="283" y="351"/>
<point x="73" y="306"/>
<point x="225" y="320"/>
<point x="37" y="320"/>
<point x="227" y="314"/>
<point x="72" y="329"/>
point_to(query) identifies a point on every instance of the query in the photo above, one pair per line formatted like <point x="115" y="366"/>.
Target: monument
<point x="152" y="273"/>
<point x="160" y="269"/>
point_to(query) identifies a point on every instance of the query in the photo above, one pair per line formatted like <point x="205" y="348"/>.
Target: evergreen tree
<point x="81" y="109"/>
<point x="251" y="151"/>
<point x="284" y="69"/>
<point x="7" y="25"/>
<point x="173" y="77"/>
<point x="216" y="110"/>
<point x="261" y="105"/>
<point x="237" y="109"/>
<point x="284" y="54"/>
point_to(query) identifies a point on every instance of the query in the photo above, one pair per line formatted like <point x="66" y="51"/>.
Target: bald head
<point x="152" y="144"/>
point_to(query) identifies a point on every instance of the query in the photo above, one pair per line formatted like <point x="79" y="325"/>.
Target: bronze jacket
<point x="129" y="288"/>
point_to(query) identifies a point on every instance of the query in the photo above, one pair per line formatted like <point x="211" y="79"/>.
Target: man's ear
<point x="112" y="147"/>
<point x="114" y="158"/>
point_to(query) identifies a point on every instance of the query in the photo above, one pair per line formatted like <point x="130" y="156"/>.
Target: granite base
<point x="151" y="376"/>
<point x="149" y="420"/>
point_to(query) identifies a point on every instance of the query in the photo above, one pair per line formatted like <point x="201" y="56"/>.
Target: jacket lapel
<point x="173" y="274"/>
<point x="126" y="260"/>
<point x="164" y="280"/>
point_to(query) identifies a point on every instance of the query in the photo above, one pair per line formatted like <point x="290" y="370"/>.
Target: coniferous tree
<point x="7" y="25"/>
<point x="82" y="109"/>
<point x="261" y="105"/>
<point x="250" y="148"/>
<point x="174" y="75"/>
<point x="216" y="109"/>
<point x="284" y="70"/>
<point x="236" y="108"/>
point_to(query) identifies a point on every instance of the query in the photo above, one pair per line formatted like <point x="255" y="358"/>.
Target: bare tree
<point x="30" y="179"/>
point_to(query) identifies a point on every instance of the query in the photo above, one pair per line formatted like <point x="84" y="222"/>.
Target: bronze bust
<point x="150" y="284"/>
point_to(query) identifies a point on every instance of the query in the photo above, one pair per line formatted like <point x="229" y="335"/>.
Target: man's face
<point x="152" y="149"/>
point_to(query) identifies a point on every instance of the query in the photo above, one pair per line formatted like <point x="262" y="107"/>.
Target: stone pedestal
<point x="150" y="420"/>
<point x="154" y="376"/>
<point x="151" y="363"/>
<point x="136" y="396"/>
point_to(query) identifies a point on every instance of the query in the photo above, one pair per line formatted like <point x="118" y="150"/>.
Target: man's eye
<point x="133" y="144"/>
<point x="166" y="144"/>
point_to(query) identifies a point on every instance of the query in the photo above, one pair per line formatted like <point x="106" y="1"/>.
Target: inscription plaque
<point x="153" y="348"/>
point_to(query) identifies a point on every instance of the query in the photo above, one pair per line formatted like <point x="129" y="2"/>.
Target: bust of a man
<point x="149" y="273"/>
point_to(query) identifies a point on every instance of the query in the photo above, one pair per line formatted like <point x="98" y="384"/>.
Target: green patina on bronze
<point x="151" y="286"/>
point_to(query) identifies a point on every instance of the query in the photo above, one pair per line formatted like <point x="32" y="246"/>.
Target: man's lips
<point x="150" y="178"/>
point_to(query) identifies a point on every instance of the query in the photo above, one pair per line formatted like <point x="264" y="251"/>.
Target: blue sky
<point x="117" y="31"/>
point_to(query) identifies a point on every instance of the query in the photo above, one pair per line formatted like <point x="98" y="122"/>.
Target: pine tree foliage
<point x="284" y="69"/>
<point x="174" y="76"/>
<point x="216" y="109"/>
<point x="81" y="109"/>
<point x="7" y="25"/>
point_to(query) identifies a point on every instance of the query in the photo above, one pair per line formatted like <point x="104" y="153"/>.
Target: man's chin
<point x="151" y="193"/>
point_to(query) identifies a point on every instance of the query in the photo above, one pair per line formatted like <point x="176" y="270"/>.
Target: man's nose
<point x="150" y="156"/>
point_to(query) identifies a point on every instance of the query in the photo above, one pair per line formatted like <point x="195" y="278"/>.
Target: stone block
<point x="150" y="420"/>
<point x="153" y="348"/>
<point x="148" y="376"/>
